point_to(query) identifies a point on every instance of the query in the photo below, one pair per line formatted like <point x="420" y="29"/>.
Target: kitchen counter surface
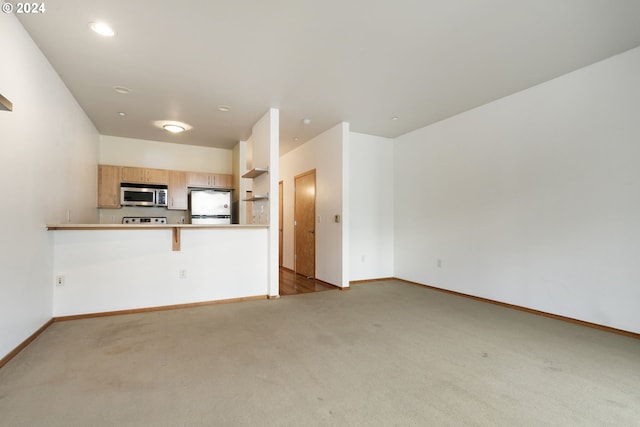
<point x="146" y="227"/>
<point x="175" y="229"/>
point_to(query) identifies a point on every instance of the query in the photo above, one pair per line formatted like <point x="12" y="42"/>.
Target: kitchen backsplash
<point x="114" y="216"/>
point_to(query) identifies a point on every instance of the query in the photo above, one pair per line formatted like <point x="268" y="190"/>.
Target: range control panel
<point x="144" y="220"/>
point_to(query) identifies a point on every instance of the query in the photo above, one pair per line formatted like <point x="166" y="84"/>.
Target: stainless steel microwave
<point x="143" y="195"/>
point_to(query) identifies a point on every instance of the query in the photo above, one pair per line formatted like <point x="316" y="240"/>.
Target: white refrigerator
<point x="210" y="207"/>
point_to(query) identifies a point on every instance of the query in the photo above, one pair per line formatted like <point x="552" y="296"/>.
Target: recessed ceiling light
<point x="224" y="108"/>
<point x="121" y="89"/>
<point x="173" y="128"/>
<point x="122" y="114"/>
<point x="102" y="29"/>
<point x="306" y="121"/>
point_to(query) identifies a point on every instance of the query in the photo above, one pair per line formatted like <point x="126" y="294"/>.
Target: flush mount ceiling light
<point x="296" y="139"/>
<point x="224" y="108"/>
<point x="172" y="126"/>
<point x="306" y="121"/>
<point x="102" y="29"/>
<point x="121" y="89"/>
<point x="122" y="114"/>
<point x="394" y="118"/>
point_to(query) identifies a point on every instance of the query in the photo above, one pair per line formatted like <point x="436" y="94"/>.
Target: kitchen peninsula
<point x="102" y="268"/>
<point x="114" y="266"/>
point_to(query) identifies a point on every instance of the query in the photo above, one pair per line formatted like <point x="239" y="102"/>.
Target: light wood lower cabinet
<point x="109" y="186"/>
<point x="177" y="190"/>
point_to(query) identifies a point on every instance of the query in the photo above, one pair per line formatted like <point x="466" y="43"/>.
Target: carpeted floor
<point x="383" y="353"/>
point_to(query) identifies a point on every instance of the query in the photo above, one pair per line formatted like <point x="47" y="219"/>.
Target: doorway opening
<point x="301" y="279"/>
<point x="292" y="283"/>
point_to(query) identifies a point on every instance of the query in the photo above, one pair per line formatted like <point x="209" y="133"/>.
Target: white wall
<point x="325" y="153"/>
<point x="533" y="200"/>
<point x="49" y="150"/>
<point x="260" y="143"/>
<point x="115" y="150"/>
<point x="110" y="270"/>
<point x="263" y="152"/>
<point x="241" y="185"/>
<point x="371" y="206"/>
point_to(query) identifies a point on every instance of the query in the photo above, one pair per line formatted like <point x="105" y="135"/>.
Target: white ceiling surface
<point x="360" y="61"/>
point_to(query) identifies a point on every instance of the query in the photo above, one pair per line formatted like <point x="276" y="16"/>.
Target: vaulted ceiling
<point x="360" y="61"/>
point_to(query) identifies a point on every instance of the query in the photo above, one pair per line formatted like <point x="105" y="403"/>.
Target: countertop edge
<point x="53" y="227"/>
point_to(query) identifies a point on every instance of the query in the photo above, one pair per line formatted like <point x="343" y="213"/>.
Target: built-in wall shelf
<point x="5" y="104"/>
<point x="256" y="198"/>
<point x="255" y="172"/>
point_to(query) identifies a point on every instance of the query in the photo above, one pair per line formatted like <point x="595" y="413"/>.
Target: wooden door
<point x="305" y="224"/>
<point x="280" y="223"/>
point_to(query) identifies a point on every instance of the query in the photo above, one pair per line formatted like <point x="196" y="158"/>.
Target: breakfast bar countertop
<point x="146" y="226"/>
<point x="174" y="228"/>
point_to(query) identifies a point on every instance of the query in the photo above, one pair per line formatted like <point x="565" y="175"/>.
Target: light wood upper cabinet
<point x="130" y="174"/>
<point x="145" y="175"/>
<point x="224" y="181"/>
<point x="209" y="180"/>
<point x="197" y="179"/>
<point x="178" y="182"/>
<point x="177" y="190"/>
<point x="109" y="186"/>
<point x="157" y="176"/>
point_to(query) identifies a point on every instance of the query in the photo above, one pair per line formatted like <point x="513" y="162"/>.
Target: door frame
<point x="295" y="227"/>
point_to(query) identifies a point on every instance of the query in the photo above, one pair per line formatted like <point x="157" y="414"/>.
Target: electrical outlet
<point x="59" y="280"/>
<point x="182" y="274"/>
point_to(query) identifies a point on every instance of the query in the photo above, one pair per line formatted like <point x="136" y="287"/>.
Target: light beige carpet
<point x="383" y="353"/>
